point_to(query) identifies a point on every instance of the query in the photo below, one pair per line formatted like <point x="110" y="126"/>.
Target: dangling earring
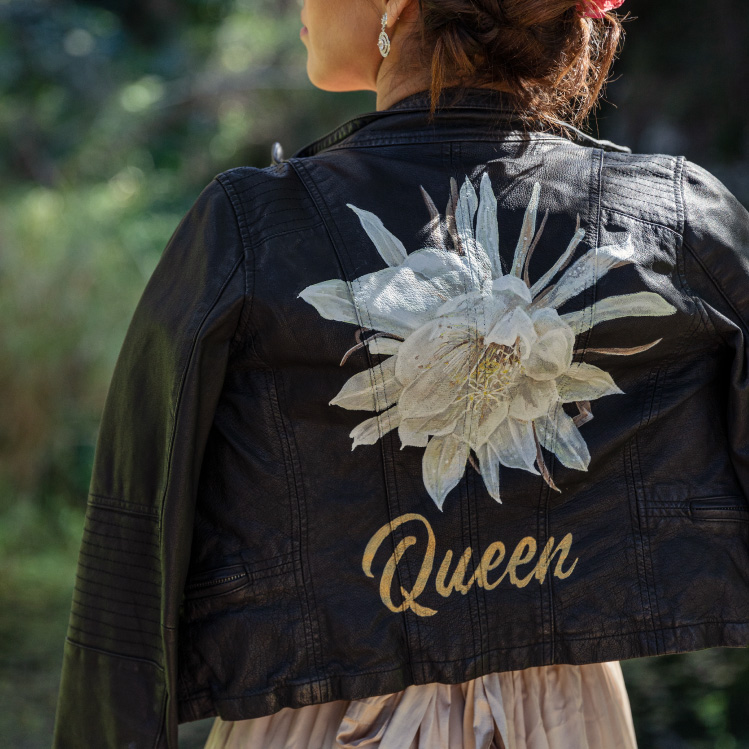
<point x="384" y="41"/>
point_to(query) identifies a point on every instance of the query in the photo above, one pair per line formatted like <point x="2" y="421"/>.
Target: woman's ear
<point x="395" y="8"/>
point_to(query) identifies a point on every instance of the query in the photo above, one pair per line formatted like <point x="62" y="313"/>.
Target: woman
<point x="375" y="472"/>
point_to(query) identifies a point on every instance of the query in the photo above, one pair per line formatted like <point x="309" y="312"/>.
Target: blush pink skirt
<point x="545" y="707"/>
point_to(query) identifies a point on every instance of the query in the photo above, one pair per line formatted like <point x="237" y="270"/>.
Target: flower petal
<point x="513" y="442"/>
<point x="526" y="233"/>
<point x="434" y="261"/>
<point x="544" y="281"/>
<point x="391" y="249"/>
<point x="489" y="465"/>
<point x="551" y="354"/>
<point x="412" y="437"/>
<point x="487" y="230"/>
<point x="584" y="382"/>
<point x="511" y="284"/>
<point x="332" y="299"/>
<point x="639" y="304"/>
<point x="532" y="399"/>
<point x="588" y="270"/>
<point x="369" y="431"/>
<point x="433" y="364"/>
<point x="487" y="419"/>
<point x="559" y="435"/>
<point x="397" y="300"/>
<point x="479" y="268"/>
<point x="466" y="210"/>
<point x="371" y="390"/>
<point x="443" y="466"/>
<point x="511" y="326"/>
<point x="438" y="425"/>
<point x="453" y="274"/>
<point x="434" y="390"/>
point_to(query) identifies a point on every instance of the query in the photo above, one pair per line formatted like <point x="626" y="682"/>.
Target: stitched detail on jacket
<point x="698" y="260"/>
<point x="657" y="187"/>
<point x="122" y="505"/>
<point x="296" y="532"/>
<point x="111" y="559"/>
<point x="115" y="655"/>
<point x="88" y="580"/>
<point x="105" y="597"/>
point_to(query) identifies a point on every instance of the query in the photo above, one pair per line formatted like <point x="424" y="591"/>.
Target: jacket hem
<point x="580" y="651"/>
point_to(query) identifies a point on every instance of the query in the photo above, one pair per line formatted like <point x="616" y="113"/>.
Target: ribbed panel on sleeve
<point x="117" y="591"/>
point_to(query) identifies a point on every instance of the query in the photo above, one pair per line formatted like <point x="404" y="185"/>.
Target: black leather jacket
<point x="421" y="403"/>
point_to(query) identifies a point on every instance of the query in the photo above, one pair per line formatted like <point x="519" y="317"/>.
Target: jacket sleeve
<point x="716" y="250"/>
<point x="118" y="685"/>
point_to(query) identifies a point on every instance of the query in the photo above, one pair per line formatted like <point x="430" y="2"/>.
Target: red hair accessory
<point x="598" y="8"/>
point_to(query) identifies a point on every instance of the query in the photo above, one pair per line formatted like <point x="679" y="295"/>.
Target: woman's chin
<point x="327" y="80"/>
<point x="323" y="80"/>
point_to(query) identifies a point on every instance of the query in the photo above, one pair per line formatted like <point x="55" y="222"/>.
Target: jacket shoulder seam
<point x="183" y="375"/>
<point x="243" y="231"/>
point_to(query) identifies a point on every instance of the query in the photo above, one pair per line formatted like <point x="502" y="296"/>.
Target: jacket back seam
<point x="658" y="374"/>
<point x="390" y="492"/>
<point x="631" y="464"/>
<point x="308" y="583"/>
<point x="453" y="152"/>
<point x="291" y="483"/>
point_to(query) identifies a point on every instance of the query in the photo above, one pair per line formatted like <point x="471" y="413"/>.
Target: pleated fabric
<point x="545" y="707"/>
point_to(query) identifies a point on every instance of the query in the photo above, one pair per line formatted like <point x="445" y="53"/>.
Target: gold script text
<point x="493" y="556"/>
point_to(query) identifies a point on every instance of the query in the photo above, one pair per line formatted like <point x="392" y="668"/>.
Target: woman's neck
<point x="398" y="76"/>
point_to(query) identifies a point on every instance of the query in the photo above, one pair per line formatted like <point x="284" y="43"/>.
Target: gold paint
<point x="409" y="598"/>
<point x="519" y="557"/>
<point x="456" y="581"/>
<point x="488" y="564"/>
<point x="564" y="545"/>
<point x="492" y="557"/>
<point x="547" y="555"/>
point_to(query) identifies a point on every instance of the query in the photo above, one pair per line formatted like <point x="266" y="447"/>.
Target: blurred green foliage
<point x="113" y="116"/>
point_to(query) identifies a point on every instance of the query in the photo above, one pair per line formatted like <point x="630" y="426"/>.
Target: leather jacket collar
<point x="465" y="113"/>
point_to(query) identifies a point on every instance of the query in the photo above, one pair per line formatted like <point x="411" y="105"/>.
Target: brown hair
<point x="554" y="60"/>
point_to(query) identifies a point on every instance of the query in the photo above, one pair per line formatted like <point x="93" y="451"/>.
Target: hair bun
<point x="553" y="59"/>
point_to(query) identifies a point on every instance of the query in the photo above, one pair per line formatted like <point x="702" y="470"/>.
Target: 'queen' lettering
<point x="492" y="558"/>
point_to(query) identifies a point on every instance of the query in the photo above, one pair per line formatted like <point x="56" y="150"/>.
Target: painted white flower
<point x="479" y="362"/>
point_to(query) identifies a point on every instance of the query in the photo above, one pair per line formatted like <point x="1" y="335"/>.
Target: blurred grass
<point x="38" y="550"/>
